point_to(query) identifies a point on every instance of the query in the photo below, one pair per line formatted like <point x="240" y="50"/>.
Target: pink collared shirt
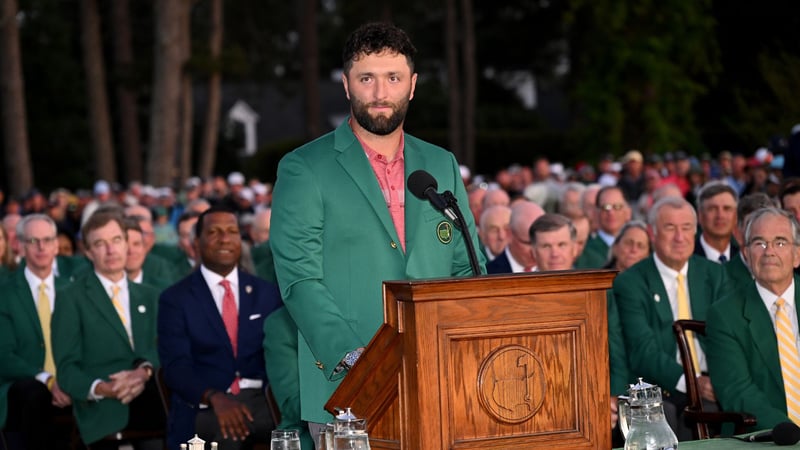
<point x="391" y="179"/>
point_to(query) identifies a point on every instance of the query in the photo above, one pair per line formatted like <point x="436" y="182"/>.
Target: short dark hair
<point x="376" y="37"/>
<point x="713" y="189"/>
<point x="750" y="203"/>
<point x="552" y="222"/>
<point x="790" y="186"/>
<point x="101" y="218"/>
<point x="198" y="227"/>
<point x="605" y="189"/>
<point x="132" y="223"/>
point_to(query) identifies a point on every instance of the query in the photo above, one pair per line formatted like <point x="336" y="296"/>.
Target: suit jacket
<point x="738" y="273"/>
<point x="166" y="270"/>
<point x="90" y="343"/>
<point x="700" y="251"/>
<point x="21" y="338"/>
<point x="500" y="264"/>
<point x="743" y="358"/>
<point x="334" y="243"/>
<point x="280" y="344"/>
<point x="594" y="255"/>
<point x="195" y="351"/>
<point x="619" y="373"/>
<point x="646" y="316"/>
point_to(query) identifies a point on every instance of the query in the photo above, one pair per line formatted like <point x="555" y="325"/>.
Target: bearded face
<point x="379" y="124"/>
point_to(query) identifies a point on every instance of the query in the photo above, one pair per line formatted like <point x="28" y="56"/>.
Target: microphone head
<point x="420" y="181"/>
<point x="786" y="433"/>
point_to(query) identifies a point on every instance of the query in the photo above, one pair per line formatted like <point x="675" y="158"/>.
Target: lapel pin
<point x="657" y="298"/>
<point x="142" y="309"/>
<point x="248" y="289"/>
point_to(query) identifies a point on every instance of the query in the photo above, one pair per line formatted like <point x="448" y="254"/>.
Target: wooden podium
<point x="492" y="362"/>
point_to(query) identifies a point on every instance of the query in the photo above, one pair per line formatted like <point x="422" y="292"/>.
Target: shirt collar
<point x="668" y="272"/>
<point x="213" y="278"/>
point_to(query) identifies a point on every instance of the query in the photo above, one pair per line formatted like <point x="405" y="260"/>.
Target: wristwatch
<point x="350" y="358"/>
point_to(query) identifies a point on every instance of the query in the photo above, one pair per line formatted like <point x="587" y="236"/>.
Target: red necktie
<point x="231" y="319"/>
<point x="529" y="268"/>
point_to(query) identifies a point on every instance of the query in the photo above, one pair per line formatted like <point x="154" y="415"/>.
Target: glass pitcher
<point x="350" y="432"/>
<point x="642" y="421"/>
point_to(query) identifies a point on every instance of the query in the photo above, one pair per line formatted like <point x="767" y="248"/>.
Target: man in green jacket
<point x="30" y="394"/>
<point x="650" y="295"/>
<point x="343" y="220"/>
<point x="104" y="339"/>
<point x="745" y="357"/>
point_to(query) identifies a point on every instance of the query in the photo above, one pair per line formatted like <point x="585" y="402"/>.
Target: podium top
<point x="501" y="285"/>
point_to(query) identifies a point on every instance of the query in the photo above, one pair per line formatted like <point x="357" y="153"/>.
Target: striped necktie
<point x="120" y="310"/>
<point x="43" y="309"/>
<point x="790" y="363"/>
<point x="685" y="313"/>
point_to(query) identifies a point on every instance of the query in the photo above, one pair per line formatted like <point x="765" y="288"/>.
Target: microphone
<point x="424" y="186"/>
<point x="784" y="433"/>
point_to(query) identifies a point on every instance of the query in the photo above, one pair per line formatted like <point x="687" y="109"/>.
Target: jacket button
<point x="393" y="244"/>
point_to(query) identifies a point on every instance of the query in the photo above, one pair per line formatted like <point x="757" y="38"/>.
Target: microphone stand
<point x="462" y="224"/>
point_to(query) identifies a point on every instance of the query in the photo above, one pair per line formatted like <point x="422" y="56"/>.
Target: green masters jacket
<point x="280" y="348"/>
<point x="334" y="243"/>
<point x="743" y="358"/>
<point x="594" y="255"/>
<point x="21" y="338"/>
<point x="646" y="316"/>
<point x="90" y="343"/>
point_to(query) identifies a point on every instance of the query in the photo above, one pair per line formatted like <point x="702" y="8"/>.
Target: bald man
<point x="517" y="257"/>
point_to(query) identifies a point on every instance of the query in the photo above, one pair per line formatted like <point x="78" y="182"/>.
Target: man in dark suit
<point x="210" y="330"/>
<point x="518" y="256"/>
<point x="612" y="213"/>
<point x="104" y="340"/>
<point x="670" y="285"/>
<point x="746" y="356"/>
<point x="716" y="211"/>
<point x="30" y="394"/>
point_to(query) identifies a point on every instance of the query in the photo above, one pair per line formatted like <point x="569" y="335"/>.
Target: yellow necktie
<point x="120" y="311"/>
<point x="43" y="309"/>
<point x="790" y="363"/>
<point x="685" y="313"/>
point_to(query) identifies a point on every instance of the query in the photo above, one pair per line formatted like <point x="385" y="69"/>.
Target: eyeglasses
<point x="777" y="243"/>
<point x="610" y="206"/>
<point x="34" y="242"/>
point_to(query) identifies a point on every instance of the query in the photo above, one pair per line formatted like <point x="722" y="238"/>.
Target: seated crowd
<point x="131" y="310"/>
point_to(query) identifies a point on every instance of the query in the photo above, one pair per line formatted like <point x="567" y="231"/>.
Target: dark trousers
<point x="207" y="426"/>
<point x="31" y="420"/>
<point x="673" y="412"/>
<point x="146" y="414"/>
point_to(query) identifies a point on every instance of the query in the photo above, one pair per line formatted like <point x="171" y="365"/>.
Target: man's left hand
<point x="705" y="388"/>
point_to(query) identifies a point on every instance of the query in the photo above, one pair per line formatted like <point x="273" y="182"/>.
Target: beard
<point x="380" y="125"/>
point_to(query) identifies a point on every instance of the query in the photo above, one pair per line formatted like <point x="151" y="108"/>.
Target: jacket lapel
<point x="354" y="161"/>
<point x="658" y="292"/>
<point x="138" y="313"/>
<point x="699" y="297"/>
<point x="760" y="326"/>
<point x="102" y="302"/>
<point x="414" y="160"/>
<point x="28" y="303"/>
<point x="208" y="308"/>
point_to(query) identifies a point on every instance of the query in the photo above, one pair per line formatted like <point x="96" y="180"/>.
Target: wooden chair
<point x="694" y="410"/>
